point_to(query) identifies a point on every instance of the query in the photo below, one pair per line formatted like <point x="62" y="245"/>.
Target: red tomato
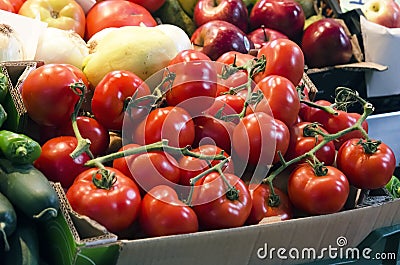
<point x="281" y="98"/>
<point x="301" y="143"/>
<point x="194" y="87"/>
<point x="47" y="94"/>
<point x="210" y="130"/>
<point x="115" y="207"/>
<point x="56" y="163"/>
<point x="153" y="169"/>
<point x="162" y="213"/>
<point x="226" y="104"/>
<point x="285" y="58"/>
<point x="6" y="5"/>
<point x="122" y="163"/>
<point x="318" y="194"/>
<point x="235" y="80"/>
<point x="365" y="169"/>
<point x="107" y="14"/>
<point x="312" y="114"/>
<point x="190" y="166"/>
<point x="189" y="56"/>
<point x="235" y="58"/>
<point x="90" y="129"/>
<point x="62" y="14"/>
<point x="172" y="123"/>
<point x="151" y="5"/>
<point x="340" y="122"/>
<point x="111" y="95"/>
<point x="216" y="207"/>
<point x="261" y="207"/>
<point x="258" y="137"/>
<point x="17" y="4"/>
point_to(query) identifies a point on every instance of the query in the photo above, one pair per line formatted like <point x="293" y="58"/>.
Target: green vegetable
<point x="8" y="220"/>
<point x="393" y="186"/>
<point x="3" y="87"/>
<point x="28" y="190"/>
<point x="24" y="245"/>
<point x="19" y="148"/>
<point x="3" y="115"/>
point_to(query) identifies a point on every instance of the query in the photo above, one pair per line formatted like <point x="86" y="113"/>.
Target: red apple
<point x="285" y="16"/>
<point x="383" y="12"/>
<point x="151" y="5"/>
<point x="326" y="43"/>
<point x="217" y="37"/>
<point x="233" y="11"/>
<point x="116" y="13"/>
<point x="263" y="35"/>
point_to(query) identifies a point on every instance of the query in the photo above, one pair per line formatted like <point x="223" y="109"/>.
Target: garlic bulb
<point x="11" y="47"/>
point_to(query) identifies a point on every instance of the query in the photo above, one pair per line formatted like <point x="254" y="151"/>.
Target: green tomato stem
<point x="368" y="109"/>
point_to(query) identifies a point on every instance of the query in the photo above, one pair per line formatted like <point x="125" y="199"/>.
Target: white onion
<point x="11" y="47"/>
<point x="61" y="46"/>
<point x="178" y="36"/>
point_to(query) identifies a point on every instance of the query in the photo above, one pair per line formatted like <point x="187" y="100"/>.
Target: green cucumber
<point x="8" y="220"/>
<point x="28" y="190"/>
<point x="24" y="245"/>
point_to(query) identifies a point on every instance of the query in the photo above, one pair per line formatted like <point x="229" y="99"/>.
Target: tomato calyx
<point x="369" y="146"/>
<point x="103" y="179"/>
<point x="319" y="170"/>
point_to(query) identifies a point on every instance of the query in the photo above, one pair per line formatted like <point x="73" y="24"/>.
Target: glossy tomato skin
<point x="280" y="98"/>
<point x="47" y="95"/>
<point x="6" y="5"/>
<point x="189" y="56"/>
<point x="90" y="129"/>
<point x="284" y="58"/>
<point x="300" y="144"/>
<point x="106" y="14"/>
<point x="235" y="58"/>
<point x="314" y="194"/>
<point x="55" y="161"/>
<point x="190" y="166"/>
<point x="111" y="95"/>
<point x="116" y="208"/>
<point x="172" y="123"/>
<point x="363" y="170"/>
<point x="122" y="163"/>
<point x="162" y="213"/>
<point x="212" y="206"/>
<point x="194" y="87"/>
<point x="340" y="122"/>
<point x="261" y="208"/>
<point x="258" y="137"/>
<point x="154" y="168"/>
<point x="210" y="130"/>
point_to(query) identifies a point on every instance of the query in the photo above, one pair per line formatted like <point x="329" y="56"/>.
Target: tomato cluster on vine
<point x="202" y="143"/>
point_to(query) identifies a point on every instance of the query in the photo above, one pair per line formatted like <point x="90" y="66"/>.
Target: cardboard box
<point x="73" y="239"/>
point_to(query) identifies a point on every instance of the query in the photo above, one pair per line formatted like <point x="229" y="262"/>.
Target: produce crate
<point x="73" y="239"/>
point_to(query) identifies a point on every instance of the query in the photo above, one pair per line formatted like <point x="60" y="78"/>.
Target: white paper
<point x="381" y="45"/>
<point x="347" y="5"/>
<point x="28" y="30"/>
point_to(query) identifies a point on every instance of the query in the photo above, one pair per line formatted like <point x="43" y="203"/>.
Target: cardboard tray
<point x="77" y="240"/>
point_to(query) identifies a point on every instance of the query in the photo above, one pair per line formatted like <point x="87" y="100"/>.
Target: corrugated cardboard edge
<point x="240" y="245"/>
<point x="100" y="235"/>
<point x="359" y="66"/>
